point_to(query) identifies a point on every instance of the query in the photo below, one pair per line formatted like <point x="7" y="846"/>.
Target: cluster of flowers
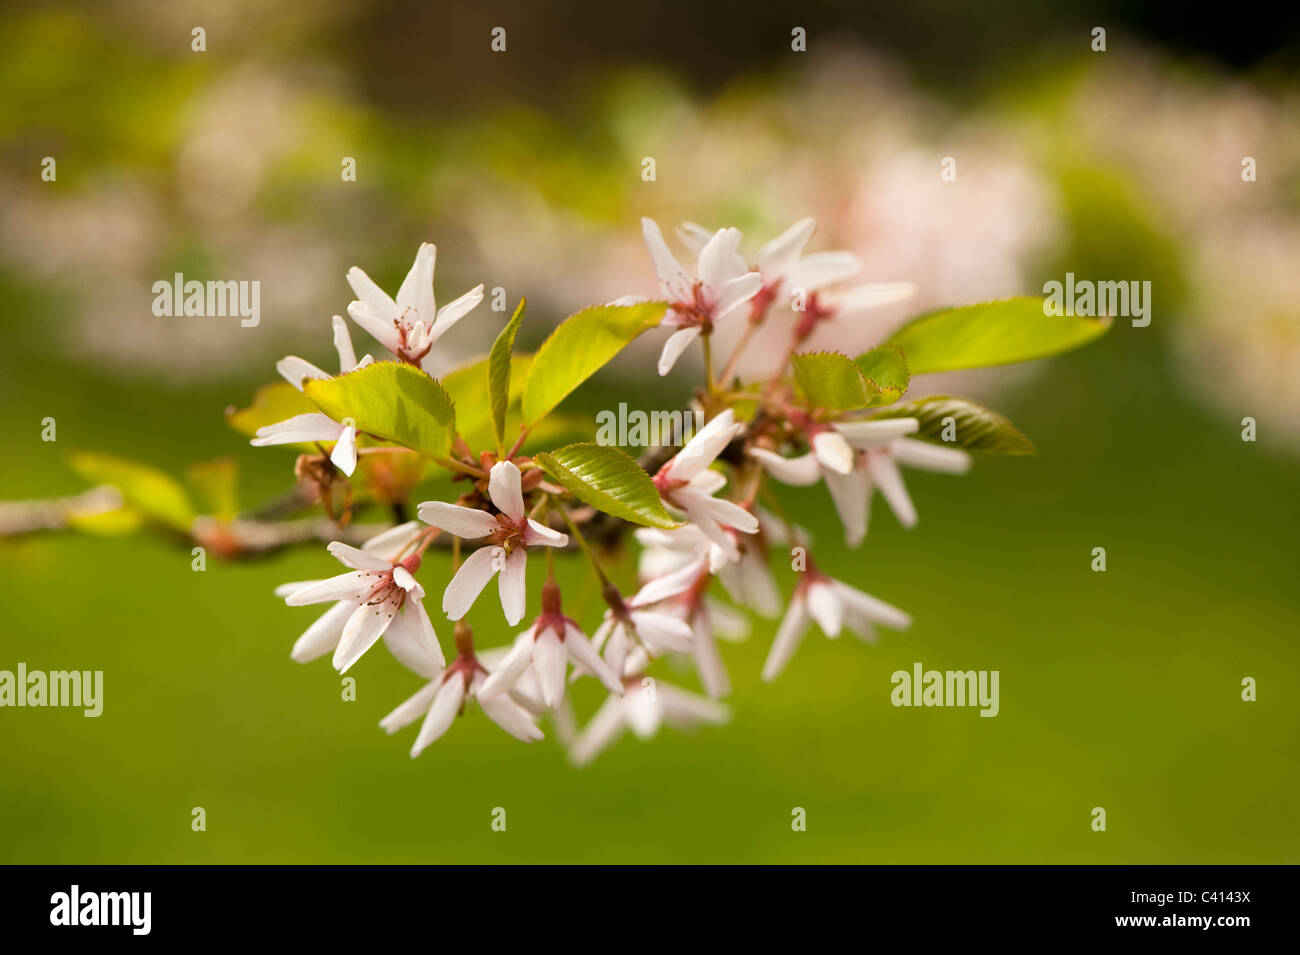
<point x="510" y="509"/>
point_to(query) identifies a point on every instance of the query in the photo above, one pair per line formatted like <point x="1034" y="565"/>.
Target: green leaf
<point x="272" y="403"/>
<point x="609" y="480"/>
<point x="146" y="489"/>
<point x="991" y="333"/>
<point x="115" y="523"/>
<point x="579" y="347"/>
<point x="830" y="380"/>
<point x="499" y="373"/>
<point x="467" y="387"/>
<point x="885" y="370"/>
<point x="977" y="428"/>
<point x="390" y="400"/>
<point x="216" y="483"/>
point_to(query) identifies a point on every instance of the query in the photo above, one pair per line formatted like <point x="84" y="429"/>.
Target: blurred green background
<point x="1119" y="689"/>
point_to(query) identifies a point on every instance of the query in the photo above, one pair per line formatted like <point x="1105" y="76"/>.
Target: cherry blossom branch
<point x="453" y="465"/>
<point x="54" y="514"/>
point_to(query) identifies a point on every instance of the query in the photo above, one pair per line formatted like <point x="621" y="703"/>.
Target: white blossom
<point x="646" y="704"/>
<point x="509" y="534"/>
<point x="801" y="286"/>
<point x="544" y="650"/>
<point x="688" y="483"/>
<point x="409" y="325"/>
<point x="443" y="697"/>
<point x="635" y="625"/>
<point x="857" y="457"/>
<point x="748" y="579"/>
<point x="379" y="597"/>
<point x="833" y="605"/>
<point x="721" y="284"/>
<point x="295" y="370"/>
<point x="782" y="264"/>
<point x="315" y="426"/>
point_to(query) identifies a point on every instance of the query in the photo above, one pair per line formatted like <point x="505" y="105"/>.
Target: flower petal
<point x="824" y="606"/>
<point x="851" y="493"/>
<point x="539" y="535"/>
<point x="470" y="580"/>
<point x="779" y="256"/>
<point x="641" y="709"/>
<point x="676" y="344"/>
<point x="343" y="344"/>
<point x="512" y="665"/>
<point x="584" y="655"/>
<point x="872" y="608"/>
<point x="354" y="585"/>
<point x="705" y="446"/>
<point x="384" y="331"/>
<point x="687" y="709"/>
<point x="303" y="428"/>
<point x="884" y="474"/>
<point x="454" y="311"/>
<point x="793" y="626"/>
<point x="285" y="589"/>
<point x="411" y="639"/>
<point x="464" y="522"/>
<point x="294" y="369"/>
<point x="735" y="293"/>
<point x="800" y="471"/>
<point x="616" y="648"/>
<point x="410" y="710"/>
<point x="373" y="297"/>
<point x="694" y="236"/>
<point x="669" y="585"/>
<point x="550" y="662"/>
<point x="708" y="482"/>
<point x="661" y="631"/>
<point x="832" y="451"/>
<point x="717" y="262"/>
<point x="391" y="544"/>
<point x="875" y="433"/>
<point x="672" y="277"/>
<point x="323" y="635"/>
<point x="404" y="579"/>
<point x="817" y="271"/>
<point x="441" y="713"/>
<point x="727" y="513"/>
<point x="708" y="662"/>
<point x="344" y="455"/>
<point x="604" y="728"/>
<point x="505" y="487"/>
<point x="511" y="717"/>
<point x="358" y="559"/>
<point x="511" y="585"/>
<point x="931" y="457"/>
<point x="366" y="625"/>
<point x="416" y="292"/>
<point x="750" y="583"/>
<point x="698" y="509"/>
